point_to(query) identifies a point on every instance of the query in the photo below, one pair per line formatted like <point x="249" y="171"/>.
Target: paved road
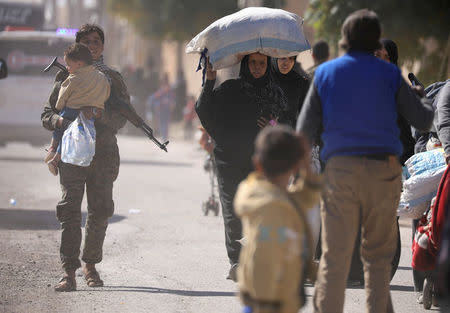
<point x="161" y="254"/>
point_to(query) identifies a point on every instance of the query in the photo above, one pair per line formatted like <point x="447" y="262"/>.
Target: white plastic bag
<point x="78" y="142"/>
<point x="273" y="32"/>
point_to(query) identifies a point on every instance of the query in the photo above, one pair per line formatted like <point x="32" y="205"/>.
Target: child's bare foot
<point x="50" y="154"/>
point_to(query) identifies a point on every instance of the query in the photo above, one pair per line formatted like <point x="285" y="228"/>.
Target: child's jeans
<point x="67" y="113"/>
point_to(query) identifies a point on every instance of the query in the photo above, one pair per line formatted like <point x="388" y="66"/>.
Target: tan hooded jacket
<point x="278" y="247"/>
<point x="87" y="86"/>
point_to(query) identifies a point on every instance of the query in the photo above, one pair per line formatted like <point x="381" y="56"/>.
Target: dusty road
<point x="160" y="254"/>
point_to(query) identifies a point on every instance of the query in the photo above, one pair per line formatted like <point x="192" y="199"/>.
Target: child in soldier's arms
<point x="277" y="254"/>
<point x="85" y="89"/>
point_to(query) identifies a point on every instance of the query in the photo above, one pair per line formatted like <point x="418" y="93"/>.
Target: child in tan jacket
<point x="277" y="251"/>
<point x="85" y="89"/>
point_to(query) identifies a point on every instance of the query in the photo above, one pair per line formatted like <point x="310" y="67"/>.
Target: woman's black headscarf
<point x="391" y="49"/>
<point x="294" y="74"/>
<point x="263" y="91"/>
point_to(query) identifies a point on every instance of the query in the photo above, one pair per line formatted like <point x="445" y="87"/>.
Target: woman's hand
<point x="262" y="122"/>
<point x="419" y="91"/>
<point x="210" y="74"/>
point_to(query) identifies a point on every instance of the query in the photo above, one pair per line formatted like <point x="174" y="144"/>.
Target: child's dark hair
<point x="279" y="149"/>
<point x="78" y="52"/>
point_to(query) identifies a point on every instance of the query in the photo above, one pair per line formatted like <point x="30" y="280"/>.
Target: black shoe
<point x="232" y="273"/>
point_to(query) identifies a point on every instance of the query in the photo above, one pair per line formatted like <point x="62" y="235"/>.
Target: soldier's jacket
<point x="111" y="120"/>
<point x="278" y="251"/>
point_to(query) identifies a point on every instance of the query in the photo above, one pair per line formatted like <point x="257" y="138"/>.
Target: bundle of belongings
<point x="273" y="32"/>
<point x="422" y="173"/>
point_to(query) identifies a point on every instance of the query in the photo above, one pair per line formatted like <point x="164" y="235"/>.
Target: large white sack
<point x="425" y="161"/>
<point x="404" y="210"/>
<point x="418" y="191"/>
<point x="273" y="32"/>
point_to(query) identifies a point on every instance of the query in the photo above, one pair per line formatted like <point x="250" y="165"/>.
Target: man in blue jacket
<point x="353" y="104"/>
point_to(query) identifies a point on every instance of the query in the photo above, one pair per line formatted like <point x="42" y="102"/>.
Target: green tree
<point x="413" y="24"/>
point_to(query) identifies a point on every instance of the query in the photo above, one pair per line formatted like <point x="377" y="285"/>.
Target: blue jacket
<point x="371" y="127"/>
<point x="353" y="103"/>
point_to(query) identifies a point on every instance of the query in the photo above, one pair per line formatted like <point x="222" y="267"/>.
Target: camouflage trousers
<point x="98" y="181"/>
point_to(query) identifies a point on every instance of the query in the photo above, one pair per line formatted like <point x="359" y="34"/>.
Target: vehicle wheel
<point x="427" y="293"/>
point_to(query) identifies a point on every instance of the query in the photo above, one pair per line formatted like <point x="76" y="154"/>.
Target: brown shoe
<point x="93" y="278"/>
<point x="67" y="283"/>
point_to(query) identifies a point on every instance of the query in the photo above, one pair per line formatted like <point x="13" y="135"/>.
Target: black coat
<point x="230" y="112"/>
<point x="230" y="118"/>
<point x="295" y="86"/>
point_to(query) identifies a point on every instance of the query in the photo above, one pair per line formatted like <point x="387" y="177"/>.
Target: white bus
<point x="25" y="90"/>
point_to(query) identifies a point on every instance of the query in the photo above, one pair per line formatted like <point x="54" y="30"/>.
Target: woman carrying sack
<point x="233" y="114"/>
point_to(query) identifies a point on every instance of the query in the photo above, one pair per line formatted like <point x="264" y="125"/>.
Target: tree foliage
<point x="174" y="19"/>
<point x="410" y="23"/>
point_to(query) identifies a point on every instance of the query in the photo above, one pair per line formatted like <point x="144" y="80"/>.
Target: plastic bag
<point x="78" y="142"/>
<point x="273" y="32"/>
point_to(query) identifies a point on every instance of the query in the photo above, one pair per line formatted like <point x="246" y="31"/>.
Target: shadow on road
<point x="404" y="268"/>
<point x="187" y="293"/>
<point x="127" y="162"/>
<point x="402" y="288"/>
<point x="23" y="219"/>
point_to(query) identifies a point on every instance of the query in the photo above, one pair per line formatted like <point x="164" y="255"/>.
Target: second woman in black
<point x="294" y="83"/>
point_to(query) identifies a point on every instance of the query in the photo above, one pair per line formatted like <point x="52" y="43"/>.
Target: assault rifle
<point x="124" y="109"/>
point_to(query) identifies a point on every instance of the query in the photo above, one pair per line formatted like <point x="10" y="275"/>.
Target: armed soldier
<point x="98" y="177"/>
